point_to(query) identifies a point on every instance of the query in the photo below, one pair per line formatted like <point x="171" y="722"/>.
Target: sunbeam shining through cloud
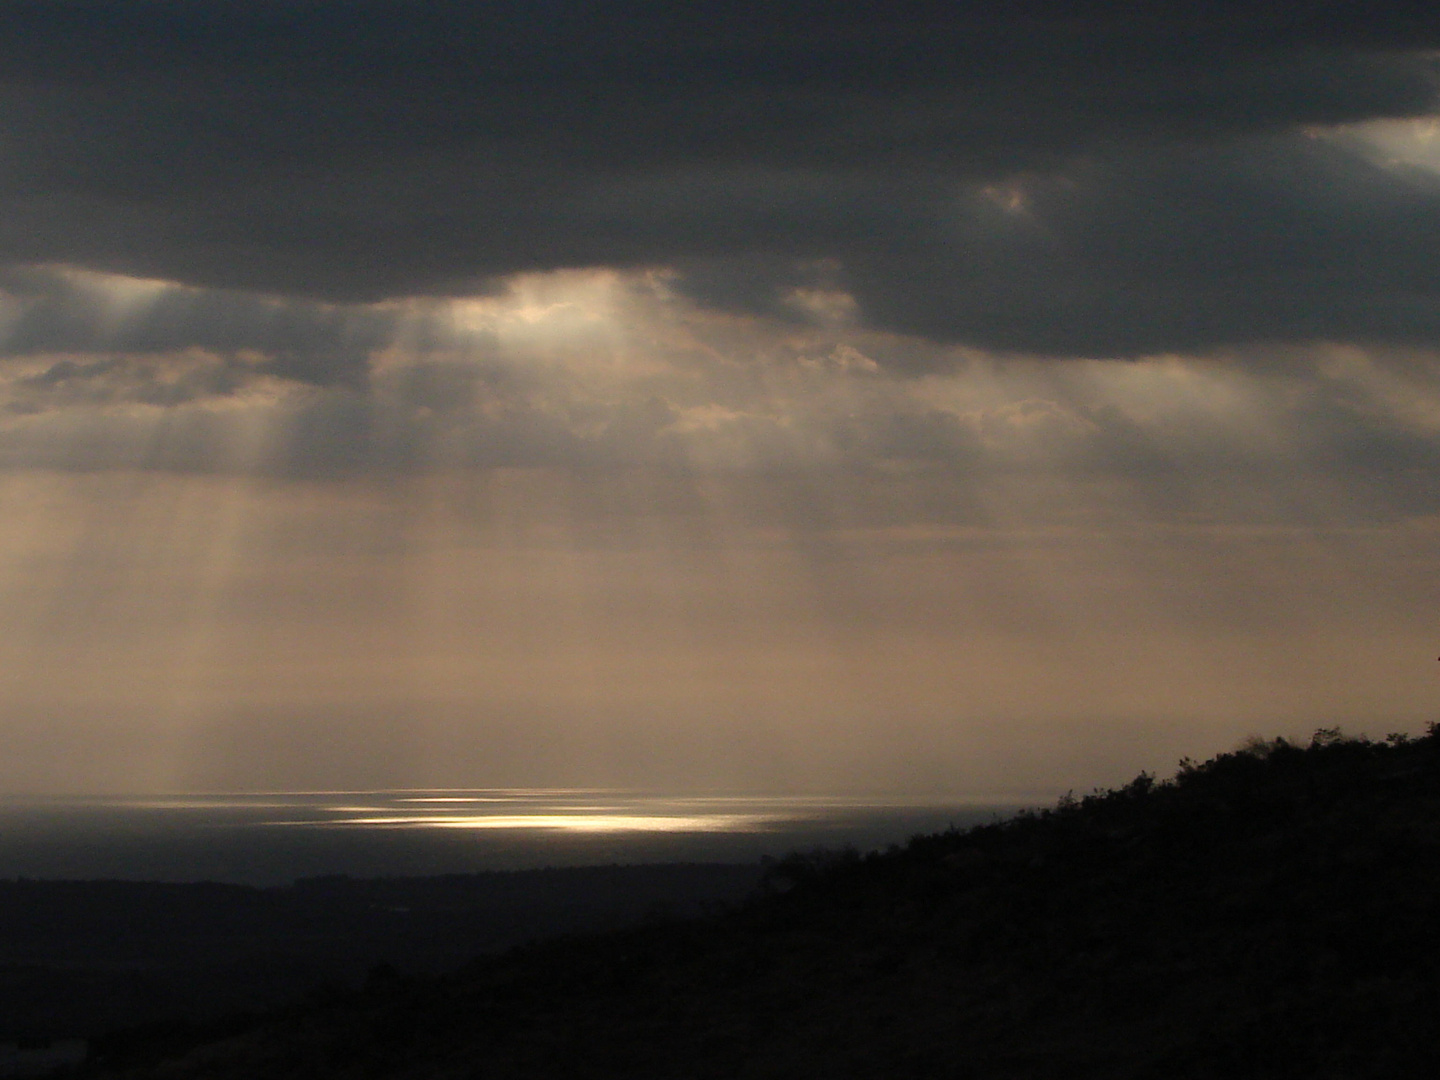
<point x="818" y="407"/>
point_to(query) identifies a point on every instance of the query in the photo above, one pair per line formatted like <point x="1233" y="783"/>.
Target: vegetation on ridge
<point x="1267" y="913"/>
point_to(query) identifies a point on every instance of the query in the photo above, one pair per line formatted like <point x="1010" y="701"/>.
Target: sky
<point x="977" y="400"/>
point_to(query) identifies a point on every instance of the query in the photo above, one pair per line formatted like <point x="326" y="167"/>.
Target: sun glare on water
<point x="590" y="823"/>
<point x="575" y="812"/>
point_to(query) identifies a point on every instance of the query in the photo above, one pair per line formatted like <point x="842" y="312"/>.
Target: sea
<point x="275" y="838"/>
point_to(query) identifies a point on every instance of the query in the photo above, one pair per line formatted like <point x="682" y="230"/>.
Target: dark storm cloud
<point x="373" y="149"/>
<point x="314" y="342"/>
<point x="1264" y="240"/>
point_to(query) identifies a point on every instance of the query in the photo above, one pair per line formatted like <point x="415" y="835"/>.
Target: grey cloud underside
<point x="368" y="150"/>
<point x="1270" y="240"/>
<point x="300" y="339"/>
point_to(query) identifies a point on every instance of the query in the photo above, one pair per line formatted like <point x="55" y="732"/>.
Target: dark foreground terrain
<point x="79" y="958"/>
<point x="1269" y="913"/>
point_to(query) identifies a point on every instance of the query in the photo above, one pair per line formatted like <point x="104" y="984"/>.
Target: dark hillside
<point x="1269" y="913"/>
<point x="82" y="957"/>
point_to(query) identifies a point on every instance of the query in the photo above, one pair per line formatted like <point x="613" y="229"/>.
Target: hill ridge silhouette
<point x="1269" y="912"/>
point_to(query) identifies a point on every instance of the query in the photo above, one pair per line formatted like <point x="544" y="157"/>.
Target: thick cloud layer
<point x="1106" y="179"/>
<point x="62" y="313"/>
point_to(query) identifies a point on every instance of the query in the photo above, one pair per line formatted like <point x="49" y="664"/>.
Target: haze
<point x="982" y="400"/>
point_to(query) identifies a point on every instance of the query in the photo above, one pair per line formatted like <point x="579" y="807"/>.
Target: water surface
<point x="277" y="837"/>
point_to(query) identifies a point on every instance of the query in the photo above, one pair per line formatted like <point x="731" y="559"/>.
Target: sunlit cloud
<point x="1413" y="142"/>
